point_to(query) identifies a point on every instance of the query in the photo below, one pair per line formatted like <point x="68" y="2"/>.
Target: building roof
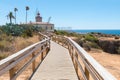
<point x="40" y="23"/>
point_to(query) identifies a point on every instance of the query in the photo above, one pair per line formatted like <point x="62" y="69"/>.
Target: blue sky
<point x="78" y="14"/>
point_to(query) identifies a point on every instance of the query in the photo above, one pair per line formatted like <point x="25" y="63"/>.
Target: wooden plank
<point x="33" y="63"/>
<point x="12" y="73"/>
<point x="87" y="73"/>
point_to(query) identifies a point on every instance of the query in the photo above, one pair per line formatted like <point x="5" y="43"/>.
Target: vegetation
<point x="65" y="33"/>
<point x="3" y="55"/>
<point x="87" y="41"/>
<point x="10" y="16"/>
<point x="12" y="44"/>
<point x="94" y="45"/>
<point x="95" y="40"/>
<point x="19" y="30"/>
<point x="9" y="34"/>
<point x="90" y="37"/>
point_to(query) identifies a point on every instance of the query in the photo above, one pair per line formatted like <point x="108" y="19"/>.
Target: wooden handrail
<point x="8" y="64"/>
<point x="83" y="62"/>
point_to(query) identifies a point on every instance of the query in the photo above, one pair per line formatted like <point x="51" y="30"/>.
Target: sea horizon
<point x="104" y="31"/>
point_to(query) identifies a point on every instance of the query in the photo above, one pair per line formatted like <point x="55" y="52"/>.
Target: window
<point x="51" y="27"/>
<point x="46" y="27"/>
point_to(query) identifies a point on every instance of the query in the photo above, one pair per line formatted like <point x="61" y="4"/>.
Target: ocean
<point x="113" y="32"/>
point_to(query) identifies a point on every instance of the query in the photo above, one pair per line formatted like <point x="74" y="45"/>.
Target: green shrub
<point x="86" y="46"/>
<point x="61" y="32"/>
<point x="19" y="30"/>
<point x="0" y="30"/>
<point x="67" y="33"/>
<point x="2" y="56"/>
<point x="91" y="38"/>
<point x="28" y="32"/>
<point x="94" y="45"/>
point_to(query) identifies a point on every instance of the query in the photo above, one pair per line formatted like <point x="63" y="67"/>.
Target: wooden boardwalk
<point x="56" y="66"/>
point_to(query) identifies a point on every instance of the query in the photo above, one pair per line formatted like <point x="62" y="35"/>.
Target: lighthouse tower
<point x="38" y="18"/>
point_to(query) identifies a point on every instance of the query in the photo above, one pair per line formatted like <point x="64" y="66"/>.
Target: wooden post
<point x="39" y="56"/>
<point x="62" y="41"/>
<point x="34" y="62"/>
<point x="66" y="44"/>
<point x="76" y="64"/>
<point x="72" y="52"/>
<point x="41" y="53"/>
<point x="45" y="52"/>
<point x="58" y="41"/>
<point x="49" y="45"/>
<point x="87" y="73"/>
<point x="12" y="73"/>
<point x="68" y="48"/>
<point x="55" y="39"/>
<point x="48" y="48"/>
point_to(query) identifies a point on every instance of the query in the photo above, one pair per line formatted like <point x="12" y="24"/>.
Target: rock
<point x="110" y="46"/>
<point x="116" y="37"/>
<point x="86" y="46"/>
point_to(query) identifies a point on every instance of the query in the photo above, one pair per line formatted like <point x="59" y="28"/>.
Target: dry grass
<point x="9" y="48"/>
<point x="109" y="38"/>
<point x="21" y="43"/>
<point x="18" y="44"/>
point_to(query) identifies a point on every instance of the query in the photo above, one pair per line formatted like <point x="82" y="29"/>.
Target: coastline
<point x="108" y="32"/>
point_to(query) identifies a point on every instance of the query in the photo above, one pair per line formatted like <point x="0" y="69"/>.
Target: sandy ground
<point x="110" y="61"/>
<point x="109" y="38"/>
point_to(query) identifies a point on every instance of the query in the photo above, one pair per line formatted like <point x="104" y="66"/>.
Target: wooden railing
<point x="86" y="67"/>
<point x="37" y="50"/>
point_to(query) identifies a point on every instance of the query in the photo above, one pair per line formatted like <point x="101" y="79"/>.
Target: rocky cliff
<point x="111" y="46"/>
